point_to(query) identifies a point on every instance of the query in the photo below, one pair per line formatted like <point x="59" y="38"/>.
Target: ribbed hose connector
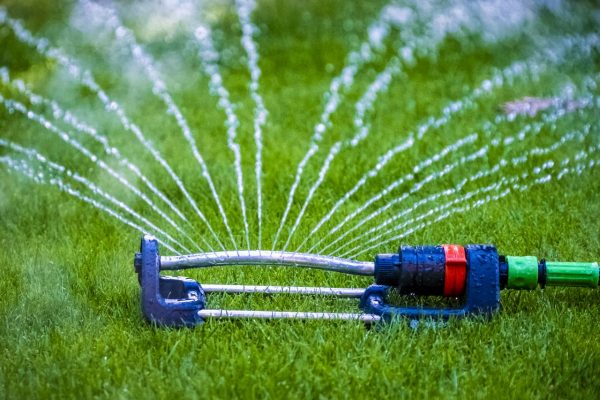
<point x="387" y="270"/>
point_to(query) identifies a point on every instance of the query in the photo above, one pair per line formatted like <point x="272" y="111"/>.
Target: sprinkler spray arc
<point x="475" y="273"/>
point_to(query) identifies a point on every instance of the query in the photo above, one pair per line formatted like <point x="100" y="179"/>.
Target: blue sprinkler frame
<point x="180" y="302"/>
<point x="482" y="292"/>
<point x="166" y="300"/>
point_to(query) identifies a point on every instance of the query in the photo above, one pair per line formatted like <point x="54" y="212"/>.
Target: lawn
<point x="70" y="319"/>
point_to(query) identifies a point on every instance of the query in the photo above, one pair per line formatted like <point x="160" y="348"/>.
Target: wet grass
<point x="70" y="324"/>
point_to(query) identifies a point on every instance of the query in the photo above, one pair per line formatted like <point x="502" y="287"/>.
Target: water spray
<point x="473" y="273"/>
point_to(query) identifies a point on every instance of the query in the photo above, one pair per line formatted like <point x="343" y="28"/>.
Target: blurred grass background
<point x="70" y="324"/>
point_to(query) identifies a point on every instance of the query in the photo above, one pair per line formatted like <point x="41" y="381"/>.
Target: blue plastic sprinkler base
<point x="482" y="292"/>
<point x="166" y="300"/>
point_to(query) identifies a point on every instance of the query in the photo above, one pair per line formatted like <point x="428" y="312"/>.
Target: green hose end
<point x="526" y="273"/>
<point x="579" y="274"/>
<point x="522" y="272"/>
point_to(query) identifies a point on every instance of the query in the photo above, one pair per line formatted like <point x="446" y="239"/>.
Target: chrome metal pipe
<point x="367" y="318"/>
<point x="324" y="291"/>
<point x="265" y="257"/>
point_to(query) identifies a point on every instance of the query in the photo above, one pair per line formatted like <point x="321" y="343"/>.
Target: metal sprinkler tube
<point x="260" y="257"/>
<point x="475" y="273"/>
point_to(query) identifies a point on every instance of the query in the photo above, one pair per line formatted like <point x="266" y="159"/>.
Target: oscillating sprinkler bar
<point x="261" y="257"/>
<point x="475" y="273"/>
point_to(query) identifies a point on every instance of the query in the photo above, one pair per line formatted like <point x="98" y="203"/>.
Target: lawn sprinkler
<point x="473" y="273"/>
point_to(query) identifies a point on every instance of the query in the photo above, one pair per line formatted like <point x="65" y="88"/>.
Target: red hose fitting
<point x="456" y="270"/>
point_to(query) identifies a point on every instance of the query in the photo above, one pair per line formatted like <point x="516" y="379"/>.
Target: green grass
<point x="70" y="323"/>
